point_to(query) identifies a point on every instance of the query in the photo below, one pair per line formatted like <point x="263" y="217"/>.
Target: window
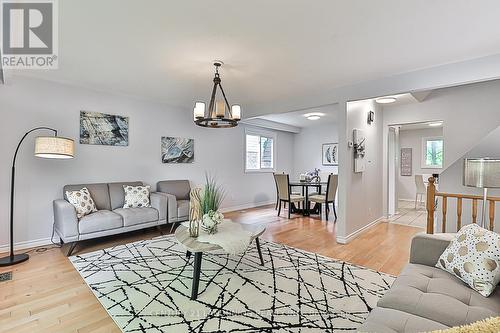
<point x="433" y="152"/>
<point x="259" y="151"/>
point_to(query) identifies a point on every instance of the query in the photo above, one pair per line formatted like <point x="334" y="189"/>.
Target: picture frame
<point x="330" y="154"/>
<point x="176" y="150"/>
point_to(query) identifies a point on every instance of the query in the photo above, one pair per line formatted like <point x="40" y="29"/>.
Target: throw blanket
<point x="230" y="236"/>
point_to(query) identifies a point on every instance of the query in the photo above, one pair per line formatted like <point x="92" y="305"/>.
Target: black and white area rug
<point x="145" y="287"/>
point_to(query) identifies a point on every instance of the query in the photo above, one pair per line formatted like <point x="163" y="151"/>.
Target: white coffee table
<point x="198" y="248"/>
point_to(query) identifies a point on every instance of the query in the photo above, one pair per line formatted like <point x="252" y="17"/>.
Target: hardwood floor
<point x="47" y="294"/>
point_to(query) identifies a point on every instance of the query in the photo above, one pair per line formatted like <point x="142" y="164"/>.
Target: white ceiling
<point x="273" y="50"/>
<point x="297" y="118"/>
<point x="418" y="126"/>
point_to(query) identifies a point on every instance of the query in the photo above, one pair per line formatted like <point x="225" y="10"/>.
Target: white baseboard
<point x="350" y="237"/>
<point x="26" y="244"/>
<point x="46" y="241"/>
<point x="247" y="206"/>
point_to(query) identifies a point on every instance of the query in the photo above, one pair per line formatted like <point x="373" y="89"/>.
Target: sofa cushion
<point x="99" y="193"/>
<point x="178" y="188"/>
<point x="133" y="216"/>
<point x="136" y="196"/>
<point x="82" y="201"/>
<point x="433" y="294"/>
<point x="474" y="257"/>
<point x="99" y="221"/>
<point x="383" y="320"/>
<point x="182" y="208"/>
<point x="117" y="194"/>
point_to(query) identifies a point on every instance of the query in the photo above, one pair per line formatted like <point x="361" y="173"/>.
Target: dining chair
<point x="421" y="188"/>
<point x="277" y="195"/>
<point x="285" y="193"/>
<point x="328" y="197"/>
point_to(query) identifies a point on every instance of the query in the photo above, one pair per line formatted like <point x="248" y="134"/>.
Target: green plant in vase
<point x="211" y="200"/>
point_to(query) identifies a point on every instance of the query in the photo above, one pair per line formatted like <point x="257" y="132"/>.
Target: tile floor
<point x="408" y="215"/>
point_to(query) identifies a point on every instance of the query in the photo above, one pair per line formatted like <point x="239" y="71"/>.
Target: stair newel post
<point x="431" y="199"/>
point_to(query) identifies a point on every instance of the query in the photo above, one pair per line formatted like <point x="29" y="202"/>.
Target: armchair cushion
<point x="133" y="216"/>
<point x="100" y="221"/>
<point x="183" y="209"/>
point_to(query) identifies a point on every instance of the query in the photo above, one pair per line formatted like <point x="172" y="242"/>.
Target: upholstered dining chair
<point x="277" y="194"/>
<point x="328" y="197"/>
<point x="284" y="192"/>
<point x="421" y="189"/>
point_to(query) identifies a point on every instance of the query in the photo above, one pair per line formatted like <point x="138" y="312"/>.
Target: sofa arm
<point x="65" y="220"/>
<point x="171" y="206"/>
<point x="427" y="248"/>
<point x="159" y="202"/>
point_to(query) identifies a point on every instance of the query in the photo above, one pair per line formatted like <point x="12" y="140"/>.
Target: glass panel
<point x="252" y="152"/>
<point x="434" y="153"/>
<point x="266" y="148"/>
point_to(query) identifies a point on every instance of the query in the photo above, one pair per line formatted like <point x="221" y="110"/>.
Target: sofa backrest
<point x="117" y="194"/>
<point x="99" y="192"/>
<point x="179" y="188"/>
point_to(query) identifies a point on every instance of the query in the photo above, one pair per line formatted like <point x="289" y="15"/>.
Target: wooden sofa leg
<point x="71" y="249"/>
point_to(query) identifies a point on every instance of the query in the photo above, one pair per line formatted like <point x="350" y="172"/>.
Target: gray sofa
<point x="177" y="194"/>
<point x="111" y="218"/>
<point x="425" y="298"/>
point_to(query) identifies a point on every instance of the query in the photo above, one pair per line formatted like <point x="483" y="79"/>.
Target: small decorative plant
<point x="207" y="202"/>
<point x="210" y="221"/>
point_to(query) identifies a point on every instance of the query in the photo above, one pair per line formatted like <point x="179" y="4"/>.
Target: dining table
<point x="305" y="186"/>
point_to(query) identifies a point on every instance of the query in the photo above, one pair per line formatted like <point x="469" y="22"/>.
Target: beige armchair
<point x="177" y="193"/>
<point x="285" y="194"/>
<point x="329" y="197"/>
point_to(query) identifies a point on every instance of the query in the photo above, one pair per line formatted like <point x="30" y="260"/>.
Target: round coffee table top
<point x="192" y="245"/>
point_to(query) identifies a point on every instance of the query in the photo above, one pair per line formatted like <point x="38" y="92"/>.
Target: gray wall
<point x="364" y="205"/>
<point x="413" y="139"/>
<point x="27" y="103"/>
<point x="308" y="148"/>
<point x="469" y="113"/>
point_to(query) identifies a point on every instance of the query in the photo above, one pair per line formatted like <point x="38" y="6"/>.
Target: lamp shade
<point x="54" y="147"/>
<point x="482" y="172"/>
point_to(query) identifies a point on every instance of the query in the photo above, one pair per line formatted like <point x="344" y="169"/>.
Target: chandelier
<point x="219" y="113"/>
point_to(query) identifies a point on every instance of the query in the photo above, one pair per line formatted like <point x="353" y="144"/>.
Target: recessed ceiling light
<point x="436" y="124"/>
<point x="385" y="100"/>
<point x="314" y="115"/>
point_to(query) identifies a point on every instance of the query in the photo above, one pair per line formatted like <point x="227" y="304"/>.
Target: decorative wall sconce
<point x="371" y="117"/>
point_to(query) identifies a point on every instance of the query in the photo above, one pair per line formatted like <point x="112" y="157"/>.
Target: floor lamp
<point x="45" y="147"/>
<point x="482" y="173"/>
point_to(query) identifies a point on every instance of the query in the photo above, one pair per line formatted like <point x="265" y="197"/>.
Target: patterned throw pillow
<point x="136" y="196"/>
<point x="82" y="201"/>
<point x="474" y="256"/>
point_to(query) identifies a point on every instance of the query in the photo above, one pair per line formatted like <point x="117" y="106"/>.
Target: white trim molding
<point x="350" y="237"/>
<point x="26" y="244"/>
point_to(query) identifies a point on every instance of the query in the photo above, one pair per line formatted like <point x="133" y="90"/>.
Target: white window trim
<point x="268" y="134"/>
<point x="423" y="154"/>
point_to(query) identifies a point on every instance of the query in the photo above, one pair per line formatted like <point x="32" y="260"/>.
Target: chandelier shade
<point x="219" y="114"/>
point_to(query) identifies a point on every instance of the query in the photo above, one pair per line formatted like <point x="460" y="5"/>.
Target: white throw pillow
<point x="136" y="196"/>
<point x="474" y="257"/>
<point x="82" y="201"/>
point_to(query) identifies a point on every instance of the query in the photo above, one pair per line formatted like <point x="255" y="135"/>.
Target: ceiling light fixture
<point x="219" y="114"/>
<point x="314" y="115"/>
<point x="436" y="124"/>
<point x="386" y="100"/>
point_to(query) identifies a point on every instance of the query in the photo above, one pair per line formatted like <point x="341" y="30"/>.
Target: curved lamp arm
<point x="24" y="137"/>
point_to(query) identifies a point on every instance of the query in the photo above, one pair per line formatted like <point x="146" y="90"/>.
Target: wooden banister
<point x="432" y="194"/>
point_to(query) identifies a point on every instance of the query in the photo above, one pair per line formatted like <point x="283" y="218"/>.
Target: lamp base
<point x="16" y="259"/>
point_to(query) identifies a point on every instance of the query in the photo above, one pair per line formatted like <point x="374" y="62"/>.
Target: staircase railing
<point x="432" y="195"/>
